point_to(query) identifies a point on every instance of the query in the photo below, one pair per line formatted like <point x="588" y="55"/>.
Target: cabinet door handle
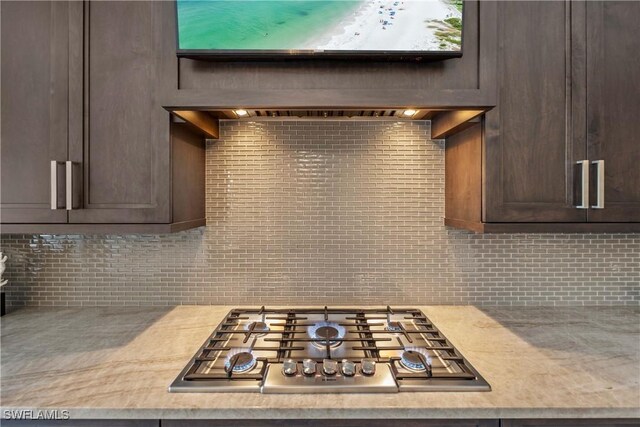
<point x="54" y="184"/>
<point x="599" y="184"/>
<point x="584" y="184"/>
<point x="69" y="184"/>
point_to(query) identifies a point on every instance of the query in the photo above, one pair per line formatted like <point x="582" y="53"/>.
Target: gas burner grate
<point x="250" y="346"/>
<point x="327" y="333"/>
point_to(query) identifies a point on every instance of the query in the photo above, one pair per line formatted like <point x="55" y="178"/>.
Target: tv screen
<point x="269" y="28"/>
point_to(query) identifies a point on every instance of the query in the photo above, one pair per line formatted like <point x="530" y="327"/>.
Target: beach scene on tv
<point x="320" y="25"/>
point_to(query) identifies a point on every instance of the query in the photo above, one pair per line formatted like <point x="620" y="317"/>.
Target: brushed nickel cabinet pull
<point x="584" y="182"/>
<point x="69" y="185"/>
<point x="599" y="184"/>
<point x="54" y="185"/>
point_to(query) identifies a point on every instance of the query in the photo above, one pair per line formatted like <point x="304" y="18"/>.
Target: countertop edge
<point x="343" y="413"/>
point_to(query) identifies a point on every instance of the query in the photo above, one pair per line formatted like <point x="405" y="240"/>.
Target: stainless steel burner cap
<point x="242" y="361"/>
<point x="394" y="326"/>
<point x="413" y="360"/>
<point x="329" y="332"/>
<point x="257" y="327"/>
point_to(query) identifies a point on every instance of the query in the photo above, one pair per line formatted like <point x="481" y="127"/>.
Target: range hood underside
<point x="443" y="122"/>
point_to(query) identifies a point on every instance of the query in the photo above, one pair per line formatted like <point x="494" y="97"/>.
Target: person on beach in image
<point x="410" y="25"/>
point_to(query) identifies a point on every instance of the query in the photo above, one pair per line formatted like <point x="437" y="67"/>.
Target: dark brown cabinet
<point x="125" y="147"/>
<point x="567" y="93"/>
<point x="613" y="104"/>
<point x="34" y="60"/>
<point x="533" y="136"/>
<point x="90" y="100"/>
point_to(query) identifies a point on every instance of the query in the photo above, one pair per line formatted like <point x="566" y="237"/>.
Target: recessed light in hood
<point x="351" y="113"/>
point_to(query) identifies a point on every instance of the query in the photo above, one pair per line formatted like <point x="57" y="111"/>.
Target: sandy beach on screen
<point x="402" y="25"/>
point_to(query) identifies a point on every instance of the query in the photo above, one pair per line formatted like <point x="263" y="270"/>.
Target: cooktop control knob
<point x="348" y="368"/>
<point x="368" y="366"/>
<point x="329" y="367"/>
<point x="309" y="367"/>
<point x="290" y="367"/>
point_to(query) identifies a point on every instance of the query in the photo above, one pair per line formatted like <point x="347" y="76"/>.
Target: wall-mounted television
<point x="270" y="29"/>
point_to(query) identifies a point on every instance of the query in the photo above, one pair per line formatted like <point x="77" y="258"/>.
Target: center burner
<point x="258" y="328"/>
<point x="394" y="327"/>
<point x="416" y="359"/>
<point x="330" y="332"/>
<point x="239" y="361"/>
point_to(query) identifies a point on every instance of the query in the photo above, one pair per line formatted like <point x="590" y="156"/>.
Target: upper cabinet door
<point x="534" y="136"/>
<point x="123" y="149"/>
<point x="34" y="109"/>
<point x="613" y="107"/>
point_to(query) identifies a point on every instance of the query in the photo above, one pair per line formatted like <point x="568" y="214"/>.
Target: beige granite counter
<point x="117" y="363"/>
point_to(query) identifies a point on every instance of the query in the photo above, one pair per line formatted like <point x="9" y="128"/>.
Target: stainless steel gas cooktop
<point x="325" y="350"/>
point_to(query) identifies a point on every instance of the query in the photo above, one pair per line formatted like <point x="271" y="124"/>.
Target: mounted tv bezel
<point x="292" y="54"/>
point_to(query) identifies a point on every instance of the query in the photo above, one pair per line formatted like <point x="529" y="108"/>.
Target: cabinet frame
<point x="496" y="206"/>
<point x="476" y="198"/>
<point x="156" y="209"/>
<point x="57" y="143"/>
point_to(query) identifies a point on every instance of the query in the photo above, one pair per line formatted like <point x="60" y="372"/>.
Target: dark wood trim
<point x="568" y="422"/>
<point x="544" y="227"/>
<point x="463" y="175"/>
<point x="186" y="225"/>
<point x="201" y="120"/>
<point x="100" y="228"/>
<point x="326" y="99"/>
<point x="447" y="123"/>
<point x="323" y="99"/>
<point x="81" y="423"/>
<point x="477" y="227"/>
<point x="488" y="58"/>
<point x="76" y="116"/>
<point x="333" y="422"/>
<point x="424" y="114"/>
<point x="576" y="132"/>
<point x="588" y="422"/>
<point x="188" y="181"/>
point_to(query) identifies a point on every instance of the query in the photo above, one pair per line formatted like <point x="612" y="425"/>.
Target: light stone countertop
<point x="118" y="363"/>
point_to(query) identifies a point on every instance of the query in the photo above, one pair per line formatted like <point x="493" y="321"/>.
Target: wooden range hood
<point x="443" y="122"/>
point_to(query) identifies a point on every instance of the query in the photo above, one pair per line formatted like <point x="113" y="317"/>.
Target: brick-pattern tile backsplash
<point x="324" y="212"/>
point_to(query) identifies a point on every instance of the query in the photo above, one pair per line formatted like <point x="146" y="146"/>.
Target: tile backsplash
<point x="324" y="212"/>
